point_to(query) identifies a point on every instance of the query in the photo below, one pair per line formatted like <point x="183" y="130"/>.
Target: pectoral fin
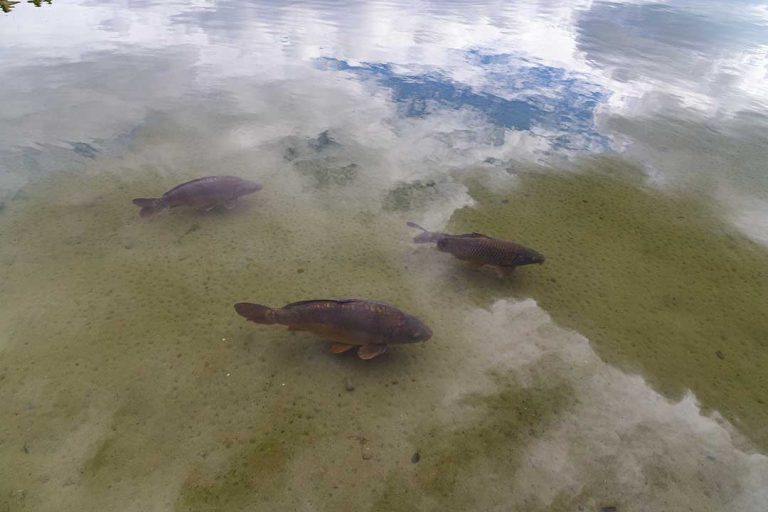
<point x="339" y="348"/>
<point x="229" y="205"/>
<point x="371" y="351"/>
<point x="206" y="208"/>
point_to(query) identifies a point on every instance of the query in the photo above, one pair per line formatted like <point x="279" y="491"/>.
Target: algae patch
<point x="456" y="460"/>
<point x="126" y="368"/>
<point x="321" y="160"/>
<point x="255" y="474"/>
<point x="409" y="195"/>
<point x="655" y="280"/>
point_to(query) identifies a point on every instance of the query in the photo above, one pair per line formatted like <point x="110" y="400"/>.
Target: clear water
<point x="624" y="140"/>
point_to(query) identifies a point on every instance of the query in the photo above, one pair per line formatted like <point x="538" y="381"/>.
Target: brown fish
<point x="202" y="194"/>
<point x="479" y="249"/>
<point x="347" y="322"/>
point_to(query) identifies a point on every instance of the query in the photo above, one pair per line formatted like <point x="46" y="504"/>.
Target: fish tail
<point x="256" y="313"/>
<point x="425" y="236"/>
<point x="150" y="205"/>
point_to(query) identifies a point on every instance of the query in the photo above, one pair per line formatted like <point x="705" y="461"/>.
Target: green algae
<point x="454" y="460"/>
<point x="105" y="454"/>
<point x="126" y="365"/>
<point x="320" y="160"/>
<point x="255" y="473"/>
<point x="126" y="368"/>
<point x="327" y="171"/>
<point x="655" y="280"/>
<point x="410" y="195"/>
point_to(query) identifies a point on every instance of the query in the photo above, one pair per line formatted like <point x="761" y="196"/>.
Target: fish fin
<point x="149" y="205"/>
<point x="414" y="225"/>
<point x="340" y="348"/>
<point x="313" y="301"/>
<point x="425" y="237"/>
<point x="256" y="313"/>
<point x="472" y="235"/>
<point x="231" y="204"/>
<point x="370" y="351"/>
<point x="207" y="208"/>
<point x="342" y="300"/>
<point x="145" y="201"/>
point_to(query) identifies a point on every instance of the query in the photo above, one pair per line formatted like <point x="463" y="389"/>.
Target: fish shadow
<point x="484" y="286"/>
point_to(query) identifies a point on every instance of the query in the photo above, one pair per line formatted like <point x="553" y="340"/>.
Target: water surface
<point x="624" y="140"/>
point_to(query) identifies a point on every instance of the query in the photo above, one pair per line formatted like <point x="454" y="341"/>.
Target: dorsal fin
<point x="472" y="235"/>
<point x="338" y="301"/>
<point x="200" y="179"/>
<point x="311" y="301"/>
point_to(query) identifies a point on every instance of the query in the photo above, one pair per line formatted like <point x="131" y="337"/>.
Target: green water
<point x="126" y="368"/>
<point x="623" y="140"/>
<point x="656" y="280"/>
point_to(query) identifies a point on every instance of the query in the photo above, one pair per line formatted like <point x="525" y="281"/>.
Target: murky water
<point x="624" y="140"/>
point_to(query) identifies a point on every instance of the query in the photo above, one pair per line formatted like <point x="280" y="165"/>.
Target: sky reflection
<point x="554" y="74"/>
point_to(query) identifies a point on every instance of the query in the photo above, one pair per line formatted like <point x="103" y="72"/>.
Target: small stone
<point x="299" y="270"/>
<point x="416" y="457"/>
<point x="348" y="385"/>
<point x="720" y="354"/>
<point x="26" y="448"/>
<point x="608" y="509"/>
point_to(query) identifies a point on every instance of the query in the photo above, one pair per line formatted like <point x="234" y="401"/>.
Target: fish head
<point x="247" y="187"/>
<point x="528" y="257"/>
<point x="411" y="330"/>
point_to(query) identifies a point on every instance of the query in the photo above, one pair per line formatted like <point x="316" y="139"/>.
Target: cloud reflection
<point x="515" y="94"/>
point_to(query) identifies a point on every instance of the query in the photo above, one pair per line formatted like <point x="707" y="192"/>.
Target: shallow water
<point x="624" y="140"/>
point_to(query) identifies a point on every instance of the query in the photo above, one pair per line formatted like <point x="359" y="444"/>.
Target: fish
<point x="203" y="194"/>
<point x="369" y="325"/>
<point x="480" y="250"/>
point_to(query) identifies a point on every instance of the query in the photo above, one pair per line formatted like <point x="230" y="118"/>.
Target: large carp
<point x="478" y="249"/>
<point x="367" y="324"/>
<point x="202" y="194"/>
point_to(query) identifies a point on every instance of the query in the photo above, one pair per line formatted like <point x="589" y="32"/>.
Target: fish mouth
<point x="249" y="188"/>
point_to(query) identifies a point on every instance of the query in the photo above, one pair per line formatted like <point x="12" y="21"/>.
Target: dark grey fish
<point x="479" y="249"/>
<point x="368" y="324"/>
<point x="202" y="194"/>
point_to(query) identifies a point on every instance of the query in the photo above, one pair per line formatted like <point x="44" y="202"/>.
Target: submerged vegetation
<point x="655" y="280"/>
<point x="412" y="195"/>
<point x="8" y="5"/>
<point x="141" y="373"/>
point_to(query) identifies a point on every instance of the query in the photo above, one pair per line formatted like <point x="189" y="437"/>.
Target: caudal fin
<point x="425" y="237"/>
<point x="256" y="313"/>
<point x="149" y="206"/>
